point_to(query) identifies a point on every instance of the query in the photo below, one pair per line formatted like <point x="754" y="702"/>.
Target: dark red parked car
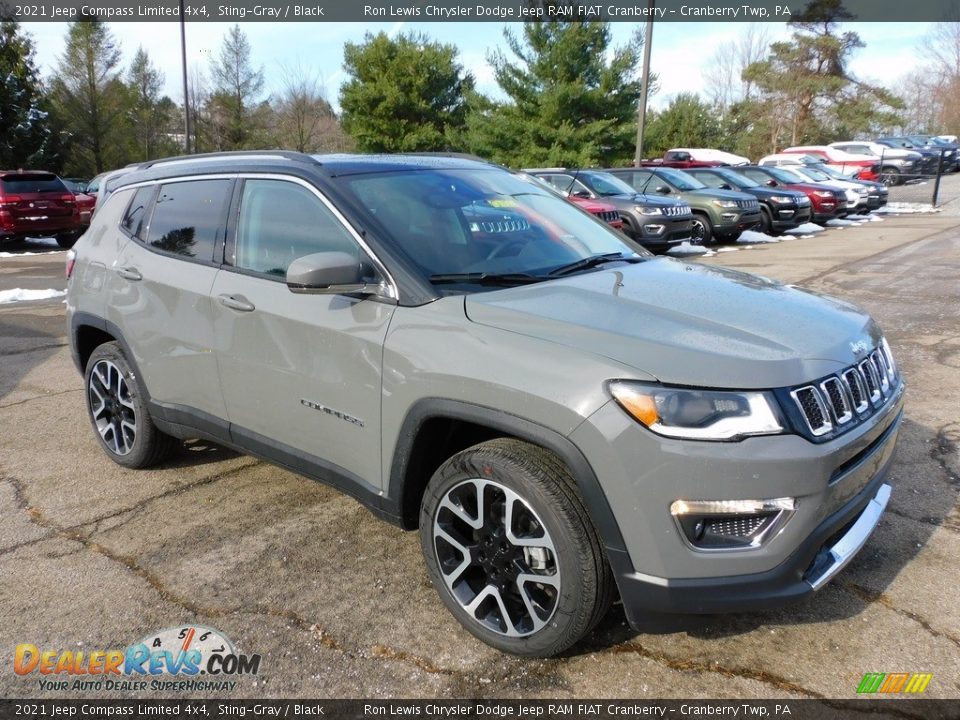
<point x="38" y="204"/>
<point x="827" y="203"/>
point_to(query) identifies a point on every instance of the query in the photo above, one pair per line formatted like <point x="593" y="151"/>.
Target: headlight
<point x="863" y="191"/>
<point x="781" y="199"/>
<point x="648" y="210"/>
<point x="725" y="203"/>
<point x="698" y="414"/>
<point x="823" y="193"/>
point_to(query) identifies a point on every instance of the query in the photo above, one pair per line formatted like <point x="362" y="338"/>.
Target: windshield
<point x="736" y="179"/>
<point x="482" y="222"/>
<point x="813" y="174"/>
<point x="786" y="176"/>
<point x="606" y="184"/>
<point x="679" y="179"/>
<point x="836" y="174"/>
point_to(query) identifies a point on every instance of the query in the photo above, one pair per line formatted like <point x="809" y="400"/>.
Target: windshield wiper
<point x="485" y="278"/>
<point x="593" y="261"/>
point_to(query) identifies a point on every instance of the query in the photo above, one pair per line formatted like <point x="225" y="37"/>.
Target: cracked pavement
<point x="94" y="556"/>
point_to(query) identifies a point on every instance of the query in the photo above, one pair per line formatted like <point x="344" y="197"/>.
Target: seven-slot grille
<point x="607" y="215"/>
<point x="835" y="402"/>
<point x="748" y="204"/>
<point x="501" y="226"/>
<point x="676" y="210"/>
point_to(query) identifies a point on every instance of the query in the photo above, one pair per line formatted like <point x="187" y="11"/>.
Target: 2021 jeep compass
<point x="562" y="415"/>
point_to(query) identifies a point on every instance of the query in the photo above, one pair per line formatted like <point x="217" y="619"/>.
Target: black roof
<point x="282" y="161"/>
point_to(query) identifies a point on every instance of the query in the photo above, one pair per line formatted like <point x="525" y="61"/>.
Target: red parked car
<point x="605" y="211"/>
<point x="38" y="204"/>
<point x="85" y="202"/>
<point x="862" y="167"/>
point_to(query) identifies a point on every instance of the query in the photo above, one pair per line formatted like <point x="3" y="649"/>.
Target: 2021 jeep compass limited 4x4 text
<point x="562" y="415"/>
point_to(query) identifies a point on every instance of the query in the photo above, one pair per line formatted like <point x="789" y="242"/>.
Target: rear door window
<point x="189" y="218"/>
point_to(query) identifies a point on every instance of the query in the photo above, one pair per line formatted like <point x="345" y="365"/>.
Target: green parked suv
<point x="717" y="214"/>
<point x="564" y="416"/>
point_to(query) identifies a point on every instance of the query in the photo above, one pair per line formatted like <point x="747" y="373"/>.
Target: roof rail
<point x="285" y="154"/>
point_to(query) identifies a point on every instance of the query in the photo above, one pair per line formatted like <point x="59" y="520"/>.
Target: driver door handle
<point x="129" y="273"/>
<point x="237" y="302"/>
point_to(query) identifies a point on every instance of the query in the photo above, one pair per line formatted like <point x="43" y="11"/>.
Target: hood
<point x="685" y="324"/>
<point x="766" y="192"/>
<point x="716" y="193"/>
<point x="592" y="206"/>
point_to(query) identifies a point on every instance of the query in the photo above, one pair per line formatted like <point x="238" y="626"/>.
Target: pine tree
<point x="404" y="94"/>
<point x="236" y="108"/>
<point x="29" y="135"/>
<point x="91" y="98"/>
<point x="568" y="104"/>
<point x="150" y="110"/>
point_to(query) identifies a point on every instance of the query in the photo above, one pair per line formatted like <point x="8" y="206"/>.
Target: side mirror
<point x="330" y="273"/>
<point x="725" y="186"/>
<point x="663" y="190"/>
<point x="771" y="182"/>
<point x="580" y="194"/>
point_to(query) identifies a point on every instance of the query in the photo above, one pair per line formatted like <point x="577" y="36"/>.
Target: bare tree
<point x="303" y="114"/>
<point x="724" y="74"/>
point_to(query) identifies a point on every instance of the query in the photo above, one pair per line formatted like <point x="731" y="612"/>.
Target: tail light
<point x="71" y="261"/>
<point x="68" y="199"/>
<point x="9" y="200"/>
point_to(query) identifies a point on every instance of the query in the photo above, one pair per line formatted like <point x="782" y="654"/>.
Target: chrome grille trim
<point x="818" y="426"/>
<point x="838" y="402"/>
<point x="836" y="395"/>
<point x="856" y="388"/>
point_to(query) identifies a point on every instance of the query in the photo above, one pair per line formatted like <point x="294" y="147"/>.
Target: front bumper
<point x="833" y="482"/>
<point x="663" y="233"/>
<point x="737" y="222"/>
<point x="789" y="216"/>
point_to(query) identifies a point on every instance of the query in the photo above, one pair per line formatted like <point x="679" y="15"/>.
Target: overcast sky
<point x="680" y="51"/>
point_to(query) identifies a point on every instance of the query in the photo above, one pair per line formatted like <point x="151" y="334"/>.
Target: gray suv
<point x="564" y="416"/>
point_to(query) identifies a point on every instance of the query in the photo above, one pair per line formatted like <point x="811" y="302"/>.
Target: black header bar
<point x="461" y="10"/>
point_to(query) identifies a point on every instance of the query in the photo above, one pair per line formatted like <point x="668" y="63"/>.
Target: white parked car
<point x="896" y="164"/>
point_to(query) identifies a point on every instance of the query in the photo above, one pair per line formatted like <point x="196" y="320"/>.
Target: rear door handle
<point x="237" y="302"/>
<point x="129" y="273"/>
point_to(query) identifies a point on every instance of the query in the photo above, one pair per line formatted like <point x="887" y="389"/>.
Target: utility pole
<point x="645" y="79"/>
<point x="186" y="97"/>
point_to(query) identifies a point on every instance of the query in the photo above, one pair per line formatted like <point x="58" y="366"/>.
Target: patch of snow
<point x="906" y="208"/>
<point x="685" y="248"/>
<point x="727" y="249"/>
<point x="874" y="218"/>
<point x="21" y="254"/>
<point x="786" y="237"/>
<point x="21" y="295"/>
<point x="46" y="242"/>
<point x="840" y="222"/>
<point x="752" y="236"/>
<point x="807" y="229"/>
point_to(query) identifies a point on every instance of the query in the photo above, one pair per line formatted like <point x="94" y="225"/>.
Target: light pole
<point x="186" y="97"/>
<point x="645" y="79"/>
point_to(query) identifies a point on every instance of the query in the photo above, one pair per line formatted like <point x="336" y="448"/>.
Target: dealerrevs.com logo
<point x="187" y="658"/>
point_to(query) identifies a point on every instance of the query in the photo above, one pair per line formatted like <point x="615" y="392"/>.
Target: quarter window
<point x="134" y="221"/>
<point x="188" y="218"/>
<point x="281" y="221"/>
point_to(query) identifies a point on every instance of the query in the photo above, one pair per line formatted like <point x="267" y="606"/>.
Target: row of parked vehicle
<point x="660" y="206"/>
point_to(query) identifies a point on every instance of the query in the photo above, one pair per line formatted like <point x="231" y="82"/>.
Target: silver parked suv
<point x="561" y="414"/>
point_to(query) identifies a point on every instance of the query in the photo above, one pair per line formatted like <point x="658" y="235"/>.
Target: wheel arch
<point x="418" y="454"/>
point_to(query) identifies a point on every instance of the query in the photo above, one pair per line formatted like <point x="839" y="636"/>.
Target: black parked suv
<point x="931" y="156"/>
<point x="657" y="223"/>
<point x="782" y="209"/>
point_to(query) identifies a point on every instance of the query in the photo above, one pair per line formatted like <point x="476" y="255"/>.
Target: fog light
<point x="729" y="524"/>
<point x="654" y="229"/>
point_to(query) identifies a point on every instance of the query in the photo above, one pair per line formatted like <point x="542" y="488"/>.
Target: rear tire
<point x="118" y="411"/>
<point x="766" y="221"/>
<point x="511" y="551"/>
<point x="67" y="240"/>
<point x="890" y="176"/>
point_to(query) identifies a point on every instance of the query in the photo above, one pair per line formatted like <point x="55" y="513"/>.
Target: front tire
<point x="118" y="411"/>
<point x="701" y="231"/>
<point x="511" y="551"/>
